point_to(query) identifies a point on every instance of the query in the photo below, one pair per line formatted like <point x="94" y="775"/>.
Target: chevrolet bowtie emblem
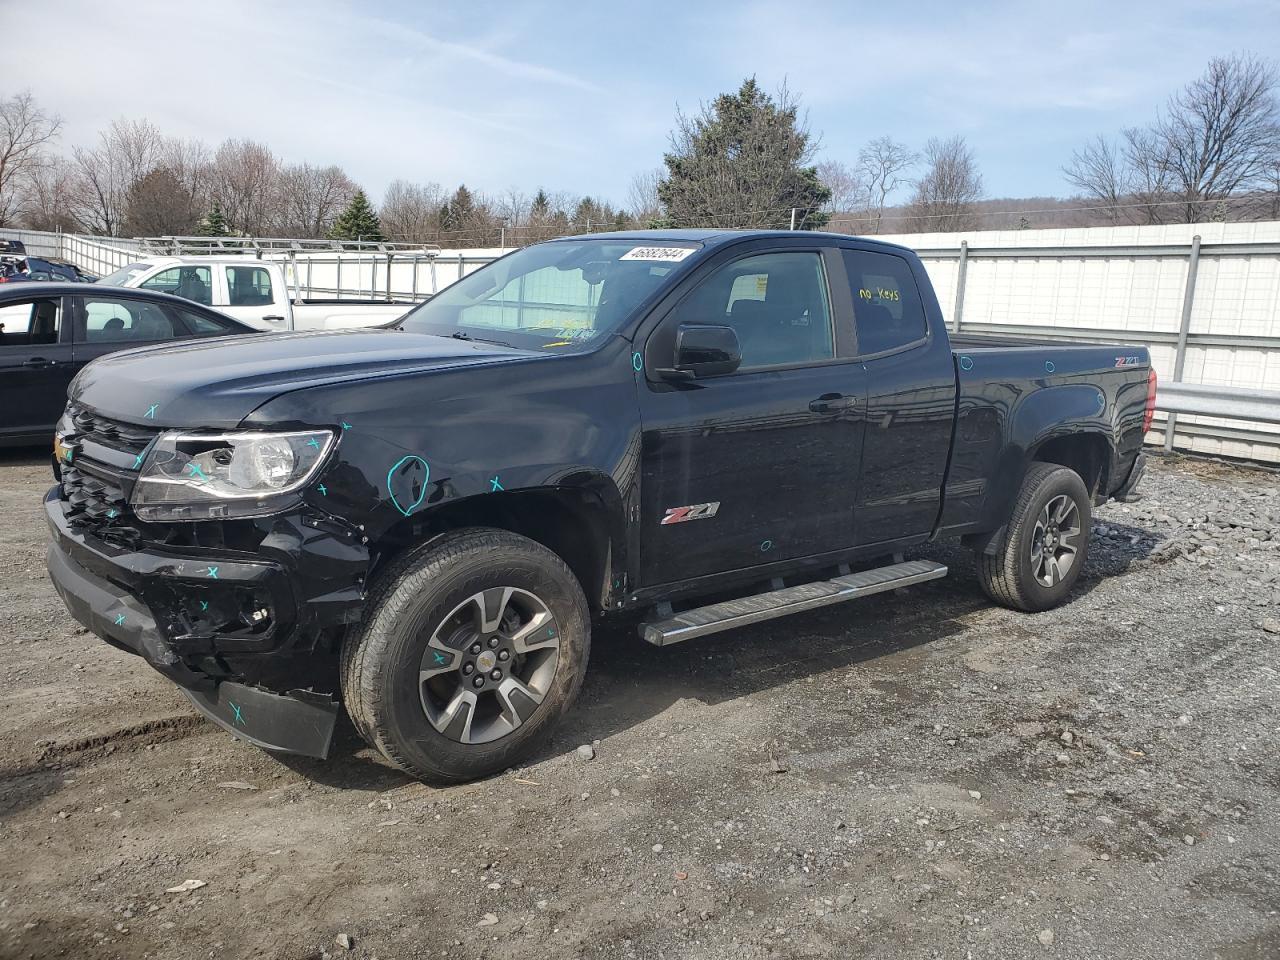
<point x="63" y="452"/>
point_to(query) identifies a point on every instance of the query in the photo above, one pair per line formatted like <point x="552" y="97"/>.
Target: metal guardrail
<point x="1228" y="403"/>
<point x="1233" y="403"/>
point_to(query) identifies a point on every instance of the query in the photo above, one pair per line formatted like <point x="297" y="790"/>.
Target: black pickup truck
<point x="421" y="521"/>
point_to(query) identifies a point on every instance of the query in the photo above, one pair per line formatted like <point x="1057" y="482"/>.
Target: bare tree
<point x="1150" y="179"/>
<point x="25" y="132"/>
<point x="848" y="192"/>
<point x="1205" y="154"/>
<point x="1219" y="133"/>
<point x="642" y="196"/>
<point x="243" y="181"/>
<point x="191" y="162"/>
<point x="511" y="209"/>
<point x="883" y="165"/>
<point x="308" y="199"/>
<point x="126" y="151"/>
<point x="1271" y="199"/>
<point x="1101" y="170"/>
<point x="410" y="212"/>
<point x="945" y="194"/>
<point x="50" y="192"/>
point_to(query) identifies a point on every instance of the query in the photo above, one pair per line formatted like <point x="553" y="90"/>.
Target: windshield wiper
<point x="459" y="335"/>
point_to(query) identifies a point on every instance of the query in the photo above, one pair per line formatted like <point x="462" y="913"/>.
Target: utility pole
<point x="793" y="218"/>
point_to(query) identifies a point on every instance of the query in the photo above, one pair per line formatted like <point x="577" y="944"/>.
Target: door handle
<point x="833" y="403"/>
<point x="274" y="319"/>
<point x="38" y="362"/>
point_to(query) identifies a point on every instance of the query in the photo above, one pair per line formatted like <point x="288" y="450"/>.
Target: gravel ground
<point x="918" y="775"/>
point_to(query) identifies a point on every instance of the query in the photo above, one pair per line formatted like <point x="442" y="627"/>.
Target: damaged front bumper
<point x="118" y="593"/>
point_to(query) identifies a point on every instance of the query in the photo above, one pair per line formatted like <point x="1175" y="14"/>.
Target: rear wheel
<point x="474" y="649"/>
<point x="1045" y="544"/>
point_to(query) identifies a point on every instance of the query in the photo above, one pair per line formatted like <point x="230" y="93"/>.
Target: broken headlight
<point x="194" y="476"/>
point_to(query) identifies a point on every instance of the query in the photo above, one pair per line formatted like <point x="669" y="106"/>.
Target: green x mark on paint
<point x="345" y="425"/>
<point x="495" y="486"/>
<point x="212" y="573"/>
<point x="204" y="604"/>
<point x="197" y="473"/>
<point x="112" y="514"/>
<point x="235" y="707"/>
<point x="313" y="442"/>
<point x="151" y="411"/>
<point x="441" y="658"/>
<point x="324" y="491"/>
<point x="119" y="619"/>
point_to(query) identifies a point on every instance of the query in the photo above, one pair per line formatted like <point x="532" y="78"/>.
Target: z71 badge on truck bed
<point x="421" y="522"/>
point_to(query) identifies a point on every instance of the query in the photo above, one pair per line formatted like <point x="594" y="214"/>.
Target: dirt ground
<point x="922" y="775"/>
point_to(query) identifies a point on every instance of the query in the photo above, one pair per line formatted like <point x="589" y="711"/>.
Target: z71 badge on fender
<point x="698" y="511"/>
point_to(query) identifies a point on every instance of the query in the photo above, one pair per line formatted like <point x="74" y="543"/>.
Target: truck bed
<point x="1017" y="393"/>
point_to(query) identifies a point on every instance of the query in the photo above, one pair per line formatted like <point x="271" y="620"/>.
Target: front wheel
<point x="475" y="647"/>
<point x="1046" y="542"/>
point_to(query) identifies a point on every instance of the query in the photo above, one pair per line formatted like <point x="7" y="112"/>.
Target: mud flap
<point x="1135" y="477"/>
<point x="299" y="721"/>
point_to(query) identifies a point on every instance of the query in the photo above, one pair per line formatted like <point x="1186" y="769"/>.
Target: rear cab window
<point x="888" y="311"/>
<point x="248" y="287"/>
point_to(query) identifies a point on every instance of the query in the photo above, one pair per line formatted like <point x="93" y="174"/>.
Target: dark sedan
<point x="48" y="331"/>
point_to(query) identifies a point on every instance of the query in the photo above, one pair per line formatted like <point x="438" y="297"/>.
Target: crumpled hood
<point x="217" y="383"/>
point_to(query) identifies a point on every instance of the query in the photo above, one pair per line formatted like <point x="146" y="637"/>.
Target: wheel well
<point x="570" y="523"/>
<point x="1086" y="453"/>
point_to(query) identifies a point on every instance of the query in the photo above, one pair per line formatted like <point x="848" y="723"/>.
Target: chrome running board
<point x="780" y="603"/>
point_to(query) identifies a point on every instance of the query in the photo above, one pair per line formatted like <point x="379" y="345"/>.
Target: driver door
<point x="760" y="465"/>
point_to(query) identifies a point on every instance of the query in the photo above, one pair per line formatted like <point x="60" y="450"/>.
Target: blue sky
<point x="580" y="96"/>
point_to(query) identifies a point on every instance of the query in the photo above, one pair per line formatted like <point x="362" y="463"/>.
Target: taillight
<point x="1151" y="401"/>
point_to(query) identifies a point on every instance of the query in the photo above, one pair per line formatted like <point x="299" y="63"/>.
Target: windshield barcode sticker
<point x="669" y="254"/>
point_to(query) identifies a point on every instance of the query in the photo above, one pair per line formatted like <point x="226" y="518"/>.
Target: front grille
<point x="124" y="436"/>
<point x="99" y="479"/>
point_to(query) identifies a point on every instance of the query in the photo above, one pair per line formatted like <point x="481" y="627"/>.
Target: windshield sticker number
<point x="666" y="254"/>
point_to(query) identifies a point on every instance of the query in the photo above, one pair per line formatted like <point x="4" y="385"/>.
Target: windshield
<point x="126" y="273"/>
<point x="552" y="296"/>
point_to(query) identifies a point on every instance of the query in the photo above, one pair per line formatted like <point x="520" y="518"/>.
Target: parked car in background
<point x="13" y="269"/>
<point x="48" y="331"/>
<point x="13" y="246"/>
<point x="253" y="291"/>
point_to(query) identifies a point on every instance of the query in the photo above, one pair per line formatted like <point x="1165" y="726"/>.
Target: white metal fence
<point x="1205" y="298"/>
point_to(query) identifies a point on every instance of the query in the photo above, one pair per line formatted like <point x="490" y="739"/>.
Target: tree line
<point x="746" y="159"/>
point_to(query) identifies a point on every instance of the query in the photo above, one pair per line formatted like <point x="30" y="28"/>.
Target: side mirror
<point x="704" y="350"/>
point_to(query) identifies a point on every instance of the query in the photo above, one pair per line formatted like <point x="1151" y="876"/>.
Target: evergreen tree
<point x="214" y="223"/>
<point x="743" y="161"/>
<point x="459" y="212"/>
<point x="358" y="222"/>
<point x="540" y="209"/>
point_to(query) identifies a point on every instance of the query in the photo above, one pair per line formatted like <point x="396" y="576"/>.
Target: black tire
<point x="1009" y="576"/>
<point x="420" y="596"/>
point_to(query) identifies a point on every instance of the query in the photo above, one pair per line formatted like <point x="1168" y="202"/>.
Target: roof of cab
<point x="714" y="238"/>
